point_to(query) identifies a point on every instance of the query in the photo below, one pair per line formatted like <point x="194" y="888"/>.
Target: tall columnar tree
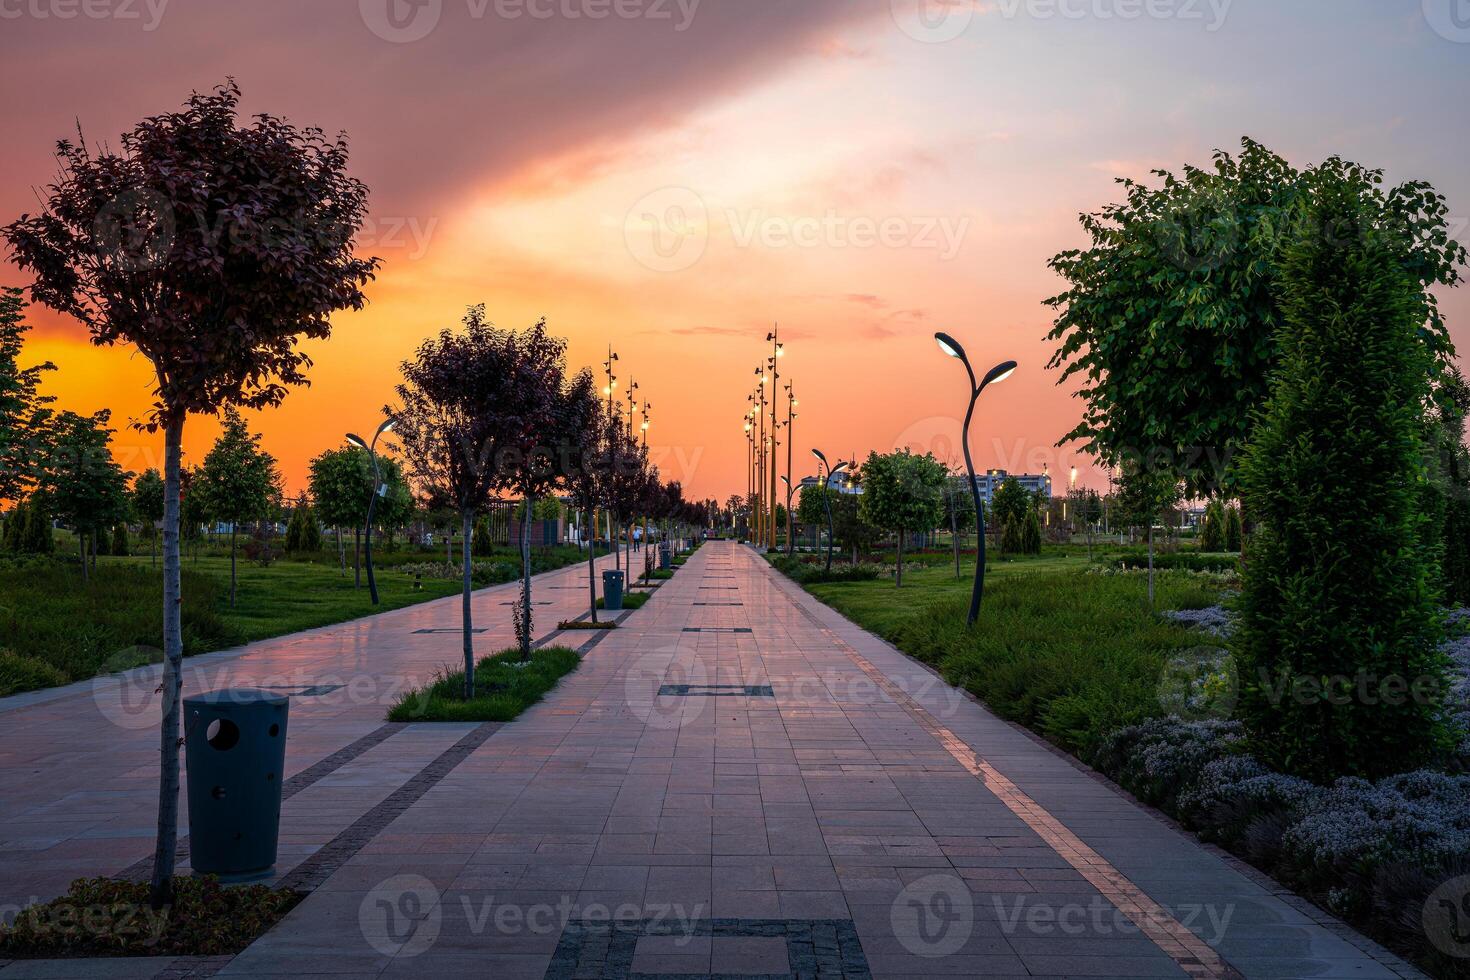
<point x="1212" y="527"/>
<point x="213" y="248"/>
<point x="903" y="493"/>
<point x="1009" y="503"/>
<point x="23" y="411"/>
<point x="1170" y="318"/>
<point x="83" y="483"/>
<point x="1339" y="634"/>
<point x="239" y="481"/>
<point x="148" y="506"/>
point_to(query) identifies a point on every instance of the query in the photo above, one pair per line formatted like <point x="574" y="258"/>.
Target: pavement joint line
<point x="142" y="869"/>
<point x="321" y="865"/>
<point x="1192" y="954"/>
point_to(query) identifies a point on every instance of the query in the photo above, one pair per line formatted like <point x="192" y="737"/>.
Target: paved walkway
<point x="736" y="782"/>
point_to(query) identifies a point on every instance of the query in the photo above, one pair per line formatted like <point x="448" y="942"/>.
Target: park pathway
<point x="736" y="782"/>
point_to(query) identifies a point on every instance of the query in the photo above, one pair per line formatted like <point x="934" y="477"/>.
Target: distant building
<point x="1031" y="483"/>
<point x="838" y="482"/>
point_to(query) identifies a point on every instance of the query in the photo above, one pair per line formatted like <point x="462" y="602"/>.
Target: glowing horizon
<point x="860" y="173"/>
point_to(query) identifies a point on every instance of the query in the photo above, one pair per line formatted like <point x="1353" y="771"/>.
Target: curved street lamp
<point x="379" y="490"/>
<point x="827" y="498"/>
<point x="998" y="373"/>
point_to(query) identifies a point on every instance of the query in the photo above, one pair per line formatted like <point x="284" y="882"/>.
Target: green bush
<point x="19" y="674"/>
<point x="811" y="571"/>
<point x="1340" y="585"/>
<point x="503" y="688"/>
<point x="106" y="917"/>
<point x="1212" y="528"/>
<point x="1135" y="560"/>
<point x="48" y="615"/>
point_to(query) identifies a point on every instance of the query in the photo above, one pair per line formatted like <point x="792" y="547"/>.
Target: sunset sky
<point x="673" y="176"/>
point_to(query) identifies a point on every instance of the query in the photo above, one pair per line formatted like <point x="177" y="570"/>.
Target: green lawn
<point x="503" y="688"/>
<point x="1061" y="647"/>
<point x="54" y="629"/>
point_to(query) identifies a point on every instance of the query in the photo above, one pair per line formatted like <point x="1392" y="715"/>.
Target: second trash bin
<point x="612" y="591"/>
<point x="235" y="750"/>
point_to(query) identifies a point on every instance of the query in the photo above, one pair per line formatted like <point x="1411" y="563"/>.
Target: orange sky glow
<point x="863" y="172"/>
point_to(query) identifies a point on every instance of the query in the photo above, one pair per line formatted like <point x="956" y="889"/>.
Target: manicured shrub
<point x="1234" y="530"/>
<point x="1339" y="585"/>
<point x="1212" y="528"/>
<point x="37" y="538"/>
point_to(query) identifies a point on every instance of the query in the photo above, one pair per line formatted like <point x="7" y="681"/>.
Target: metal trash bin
<point x="235" y="751"/>
<point x="665" y="557"/>
<point x="612" y="591"/>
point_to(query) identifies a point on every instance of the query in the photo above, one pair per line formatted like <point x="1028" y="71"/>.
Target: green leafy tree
<point x="238" y="480"/>
<point x="147" y="504"/>
<point x="483" y="545"/>
<point x="342" y="485"/>
<point x="214" y="248"/>
<point x="1143" y="496"/>
<point x="1009" y="502"/>
<point x="15" y="522"/>
<point x="1170" y="318"/>
<point x="903" y="493"/>
<point x="82" y="482"/>
<point x="120" y="545"/>
<point x="1234" y="530"/>
<point x="1449" y="487"/>
<point x="1212" y="527"/>
<point x="1013" y="536"/>
<point x="303" y="532"/>
<point x="37" y="538"/>
<point x="1339" y="630"/>
<point x="23" y="411"/>
<point x="1031" y="533"/>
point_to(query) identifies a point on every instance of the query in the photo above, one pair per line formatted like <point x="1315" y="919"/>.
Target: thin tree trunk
<point x="591" y="562"/>
<point x="954" y="535"/>
<point x="341" y="555"/>
<point x="469" y="641"/>
<point x="357" y="558"/>
<point x="82" y="552"/>
<point x="900" y="559"/>
<point x="1150" y="564"/>
<point x="161" y="888"/>
<point x="526" y="577"/>
<point x="232" y="565"/>
<point x="153" y="548"/>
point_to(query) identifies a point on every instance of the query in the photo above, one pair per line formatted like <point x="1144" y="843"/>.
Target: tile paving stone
<point x="614" y="813"/>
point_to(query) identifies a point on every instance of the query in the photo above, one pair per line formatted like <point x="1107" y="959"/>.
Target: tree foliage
<point x="238" y="481"/>
<point x="214" y="248"/>
<point x="1338" y="642"/>
<point x="903" y="493"/>
<point x="1170" y="318"/>
<point x="80" y="481"/>
<point x="23" y="411"/>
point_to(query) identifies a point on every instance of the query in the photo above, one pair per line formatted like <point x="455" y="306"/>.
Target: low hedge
<point x="504" y="687"/>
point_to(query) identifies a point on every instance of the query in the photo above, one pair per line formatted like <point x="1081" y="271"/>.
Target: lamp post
<point x="998" y="373"/>
<point x="827" y="499"/>
<point x="778" y="351"/>
<point x="379" y="489"/>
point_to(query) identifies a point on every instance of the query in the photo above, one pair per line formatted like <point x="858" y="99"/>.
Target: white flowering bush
<point x="1159" y="758"/>
<point x="1237" y="800"/>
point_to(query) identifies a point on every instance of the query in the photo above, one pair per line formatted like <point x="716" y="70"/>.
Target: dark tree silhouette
<point x="214" y="248"/>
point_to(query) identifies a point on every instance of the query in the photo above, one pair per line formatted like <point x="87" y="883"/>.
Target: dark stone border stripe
<point x="719" y="603"/>
<point x="458" y="631"/>
<point x="814" y="947"/>
<point x="718" y="629"/>
<point x="311" y="873"/>
<point x="716" y="691"/>
<point x="143" y="869"/>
